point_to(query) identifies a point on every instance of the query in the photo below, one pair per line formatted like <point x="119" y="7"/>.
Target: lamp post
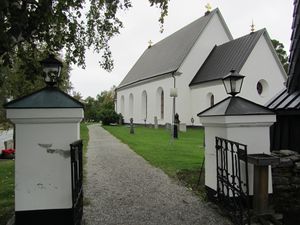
<point x="52" y="69"/>
<point x="233" y="83"/>
<point x="174" y="94"/>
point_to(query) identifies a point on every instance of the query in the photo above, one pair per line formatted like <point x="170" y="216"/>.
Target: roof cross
<point x="208" y="7"/>
<point x="252" y="27"/>
<point x="150" y="43"/>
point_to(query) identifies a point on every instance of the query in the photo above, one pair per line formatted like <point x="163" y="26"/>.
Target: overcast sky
<point x="141" y="25"/>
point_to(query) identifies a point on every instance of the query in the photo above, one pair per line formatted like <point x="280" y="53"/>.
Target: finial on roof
<point x="208" y="8"/>
<point x="252" y="27"/>
<point x="150" y="44"/>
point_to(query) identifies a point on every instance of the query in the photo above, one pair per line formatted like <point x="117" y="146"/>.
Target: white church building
<point x="194" y="60"/>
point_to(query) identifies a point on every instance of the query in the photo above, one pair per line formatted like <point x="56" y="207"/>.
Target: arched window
<point x="131" y="106"/>
<point x="144" y="105"/>
<point x="210" y="99"/>
<point x="162" y="112"/>
<point x="160" y="103"/>
<point x="122" y="105"/>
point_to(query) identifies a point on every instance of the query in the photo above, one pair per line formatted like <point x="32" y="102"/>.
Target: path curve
<point x="124" y="189"/>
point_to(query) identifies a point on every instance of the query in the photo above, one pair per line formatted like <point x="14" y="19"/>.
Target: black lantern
<point x="233" y="83"/>
<point x="52" y="68"/>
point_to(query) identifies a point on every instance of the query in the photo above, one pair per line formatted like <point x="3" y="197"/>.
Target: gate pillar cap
<point x="235" y="106"/>
<point x="48" y="97"/>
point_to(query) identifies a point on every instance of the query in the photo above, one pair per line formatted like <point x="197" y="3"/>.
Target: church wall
<point x="201" y="97"/>
<point x="262" y="66"/>
<point x="134" y="97"/>
<point x="213" y="34"/>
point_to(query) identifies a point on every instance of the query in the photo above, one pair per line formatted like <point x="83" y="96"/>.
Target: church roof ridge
<point x="167" y="55"/>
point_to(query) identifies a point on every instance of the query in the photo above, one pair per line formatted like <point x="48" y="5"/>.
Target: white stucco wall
<point x="153" y="108"/>
<point x="43" y="178"/>
<point x="261" y="64"/>
<point x="200" y="97"/>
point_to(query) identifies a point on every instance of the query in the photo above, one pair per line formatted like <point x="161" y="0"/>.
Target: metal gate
<point x="232" y="179"/>
<point x="77" y="175"/>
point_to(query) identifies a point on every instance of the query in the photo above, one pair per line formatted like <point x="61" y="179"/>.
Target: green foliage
<point x="157" y="147"/>
<point x="84" y="136"/>
<point x="25" y="76"/>
<point x="108" y="116"/>
<point x="282" y="55"/>
<point x="62" y="24"/>
<point x="101" y="108"/>
<point x="6" y="190"/>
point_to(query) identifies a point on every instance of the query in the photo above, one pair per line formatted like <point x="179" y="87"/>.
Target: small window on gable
<point x="259" y="88"/>
<point x="262" y="88"/>
<point x="210" y="99"/>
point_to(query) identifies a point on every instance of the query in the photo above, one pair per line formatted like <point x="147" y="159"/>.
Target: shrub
<point x="108" y="116"/>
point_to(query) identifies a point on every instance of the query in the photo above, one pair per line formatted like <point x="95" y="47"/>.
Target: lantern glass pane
<point x="227" y="86"/>
<point x="239" y="85"/>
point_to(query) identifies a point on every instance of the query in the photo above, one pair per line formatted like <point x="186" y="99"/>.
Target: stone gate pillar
<point x="239" y="120"/>
<point x="46" y="122"/>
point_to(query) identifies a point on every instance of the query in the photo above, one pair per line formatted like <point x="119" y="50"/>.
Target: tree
<point x="60" y="24"/>
<point x="282" y="55"/>
<point x="102" y="108"/>
<point x="25" y="76"/>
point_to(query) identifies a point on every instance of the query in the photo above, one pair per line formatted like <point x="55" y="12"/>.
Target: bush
<point x="108" y="116"/>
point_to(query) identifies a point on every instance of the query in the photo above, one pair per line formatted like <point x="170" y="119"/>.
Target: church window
<point x="162" y="104"/>
<point x="262" y="88"/>
<point x="122" y="105"/>
<point x="131" y="106"/>
<point x="144" y="105"/>
<point x="210" y="99"/>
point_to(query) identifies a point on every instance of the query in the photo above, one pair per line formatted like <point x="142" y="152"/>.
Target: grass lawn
<point x="7" y="180"/>
<point x="6" y="190"/>
<point x="181" y="159"/>
<point x="84" y="135"/>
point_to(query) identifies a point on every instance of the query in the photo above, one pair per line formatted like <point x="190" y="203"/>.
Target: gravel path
<point x="124" y="189"/>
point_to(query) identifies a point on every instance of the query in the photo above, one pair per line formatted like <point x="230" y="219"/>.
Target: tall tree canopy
<point x="61" y="24"/>
<point x="282" y="55"/>
<point x="102" y="107"/>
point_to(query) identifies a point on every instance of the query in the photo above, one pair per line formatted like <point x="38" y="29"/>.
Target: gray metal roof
<point x="167" y="55"/>
<point x="235" y="106"/>
<point x="225" y="57"/>
<point x="285" y="101"/>
<point x="294" y="67"/>
<point x="48" y="97"/>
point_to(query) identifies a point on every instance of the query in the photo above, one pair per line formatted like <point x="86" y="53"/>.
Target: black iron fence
<point x="77" y="176"/>
<point x="232" y="179"/>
